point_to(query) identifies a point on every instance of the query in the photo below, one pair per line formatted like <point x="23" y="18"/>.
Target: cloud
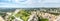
<point x="29" y="3"/>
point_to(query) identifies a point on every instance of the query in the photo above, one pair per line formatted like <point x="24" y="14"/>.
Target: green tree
<point x="10" y="18"/>
<point x="43" y="19"/>
<point x="23" y="14"/>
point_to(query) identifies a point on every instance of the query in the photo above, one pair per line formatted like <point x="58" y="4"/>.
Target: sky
<point x="29" y="3"/>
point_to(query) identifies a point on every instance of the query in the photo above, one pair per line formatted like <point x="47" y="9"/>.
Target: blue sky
<point x="29" y="3"/>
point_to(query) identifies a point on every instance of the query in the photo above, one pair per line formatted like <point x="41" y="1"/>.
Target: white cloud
<point x="34" y="3"/>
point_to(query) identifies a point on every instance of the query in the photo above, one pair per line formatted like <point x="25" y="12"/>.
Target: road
<point x="1" y="19"/>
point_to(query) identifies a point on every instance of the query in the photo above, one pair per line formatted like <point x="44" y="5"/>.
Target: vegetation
<point x="56" y="14"/>
<point x="11" y="18"/>
<point x="43" y="19"/>
<point x="23" y="14"/>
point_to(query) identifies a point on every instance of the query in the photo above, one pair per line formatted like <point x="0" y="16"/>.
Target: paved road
<point x="1" y="19"/>
<point x="17" y="19"/>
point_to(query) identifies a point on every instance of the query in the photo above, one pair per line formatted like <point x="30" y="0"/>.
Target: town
<point x="30" y="14"/>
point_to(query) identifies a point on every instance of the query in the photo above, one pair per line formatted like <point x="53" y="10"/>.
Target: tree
<point x="23" y="14"/>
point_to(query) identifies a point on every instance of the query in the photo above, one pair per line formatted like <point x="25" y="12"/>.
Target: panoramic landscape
<point x="29" y="10"/>
<point x="29" y="14"/>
